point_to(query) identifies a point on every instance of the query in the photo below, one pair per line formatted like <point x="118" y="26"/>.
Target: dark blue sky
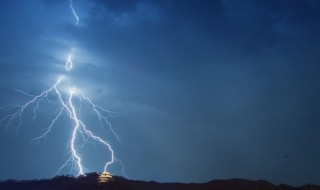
<point x="206" y="89"/>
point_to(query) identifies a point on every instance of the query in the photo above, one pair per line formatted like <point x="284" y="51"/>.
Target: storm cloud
<point x="206" y="89"/>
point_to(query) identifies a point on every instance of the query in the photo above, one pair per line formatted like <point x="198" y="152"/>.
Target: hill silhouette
<point x="89" y="182"/>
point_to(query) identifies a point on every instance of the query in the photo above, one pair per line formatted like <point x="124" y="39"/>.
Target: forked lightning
<point x="65" y="99"/>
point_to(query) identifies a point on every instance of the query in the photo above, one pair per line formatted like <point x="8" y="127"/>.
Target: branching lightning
<point x="65" y="99"/>
<point x="79" y="127"/>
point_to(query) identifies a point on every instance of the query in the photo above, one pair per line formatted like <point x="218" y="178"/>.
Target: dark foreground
<point x="90" y="183"/>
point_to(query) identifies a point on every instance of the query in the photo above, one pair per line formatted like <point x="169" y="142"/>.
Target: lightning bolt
<point x="68" y="65"/>
<point x="65" y="99"/>
<point x="74" y="12"/>
<point x="79" y="127"/>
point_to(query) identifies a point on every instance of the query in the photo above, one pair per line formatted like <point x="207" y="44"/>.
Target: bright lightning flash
<point x="68" y="65"/>
<point x="66" y="102"/>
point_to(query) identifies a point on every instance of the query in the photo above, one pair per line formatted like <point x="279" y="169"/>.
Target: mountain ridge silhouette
<point x="90" y="182"/>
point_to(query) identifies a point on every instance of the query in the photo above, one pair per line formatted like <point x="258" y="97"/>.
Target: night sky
<point x="204" y="89"/>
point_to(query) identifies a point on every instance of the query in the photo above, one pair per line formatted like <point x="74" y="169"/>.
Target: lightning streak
<point x="65" y="99"/>
<point x="74" y="12"/>
<point x="73" y="116"/>
<point x="19" y="112"/>
<point x="38" y="139"/>
<point x="67" y="105"/>
<point x="101" y="117"/>
<point x="68" y="65"/>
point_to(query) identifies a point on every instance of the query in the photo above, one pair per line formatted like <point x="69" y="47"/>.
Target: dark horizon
<point x="92" y="181"/>
<point x="202" y="89"/>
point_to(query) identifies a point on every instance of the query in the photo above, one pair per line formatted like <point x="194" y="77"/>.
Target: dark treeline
<point x="89" y="182"/>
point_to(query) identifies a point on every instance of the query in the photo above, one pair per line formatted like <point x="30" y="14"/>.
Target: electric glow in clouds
<point x="66" y="99"/>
